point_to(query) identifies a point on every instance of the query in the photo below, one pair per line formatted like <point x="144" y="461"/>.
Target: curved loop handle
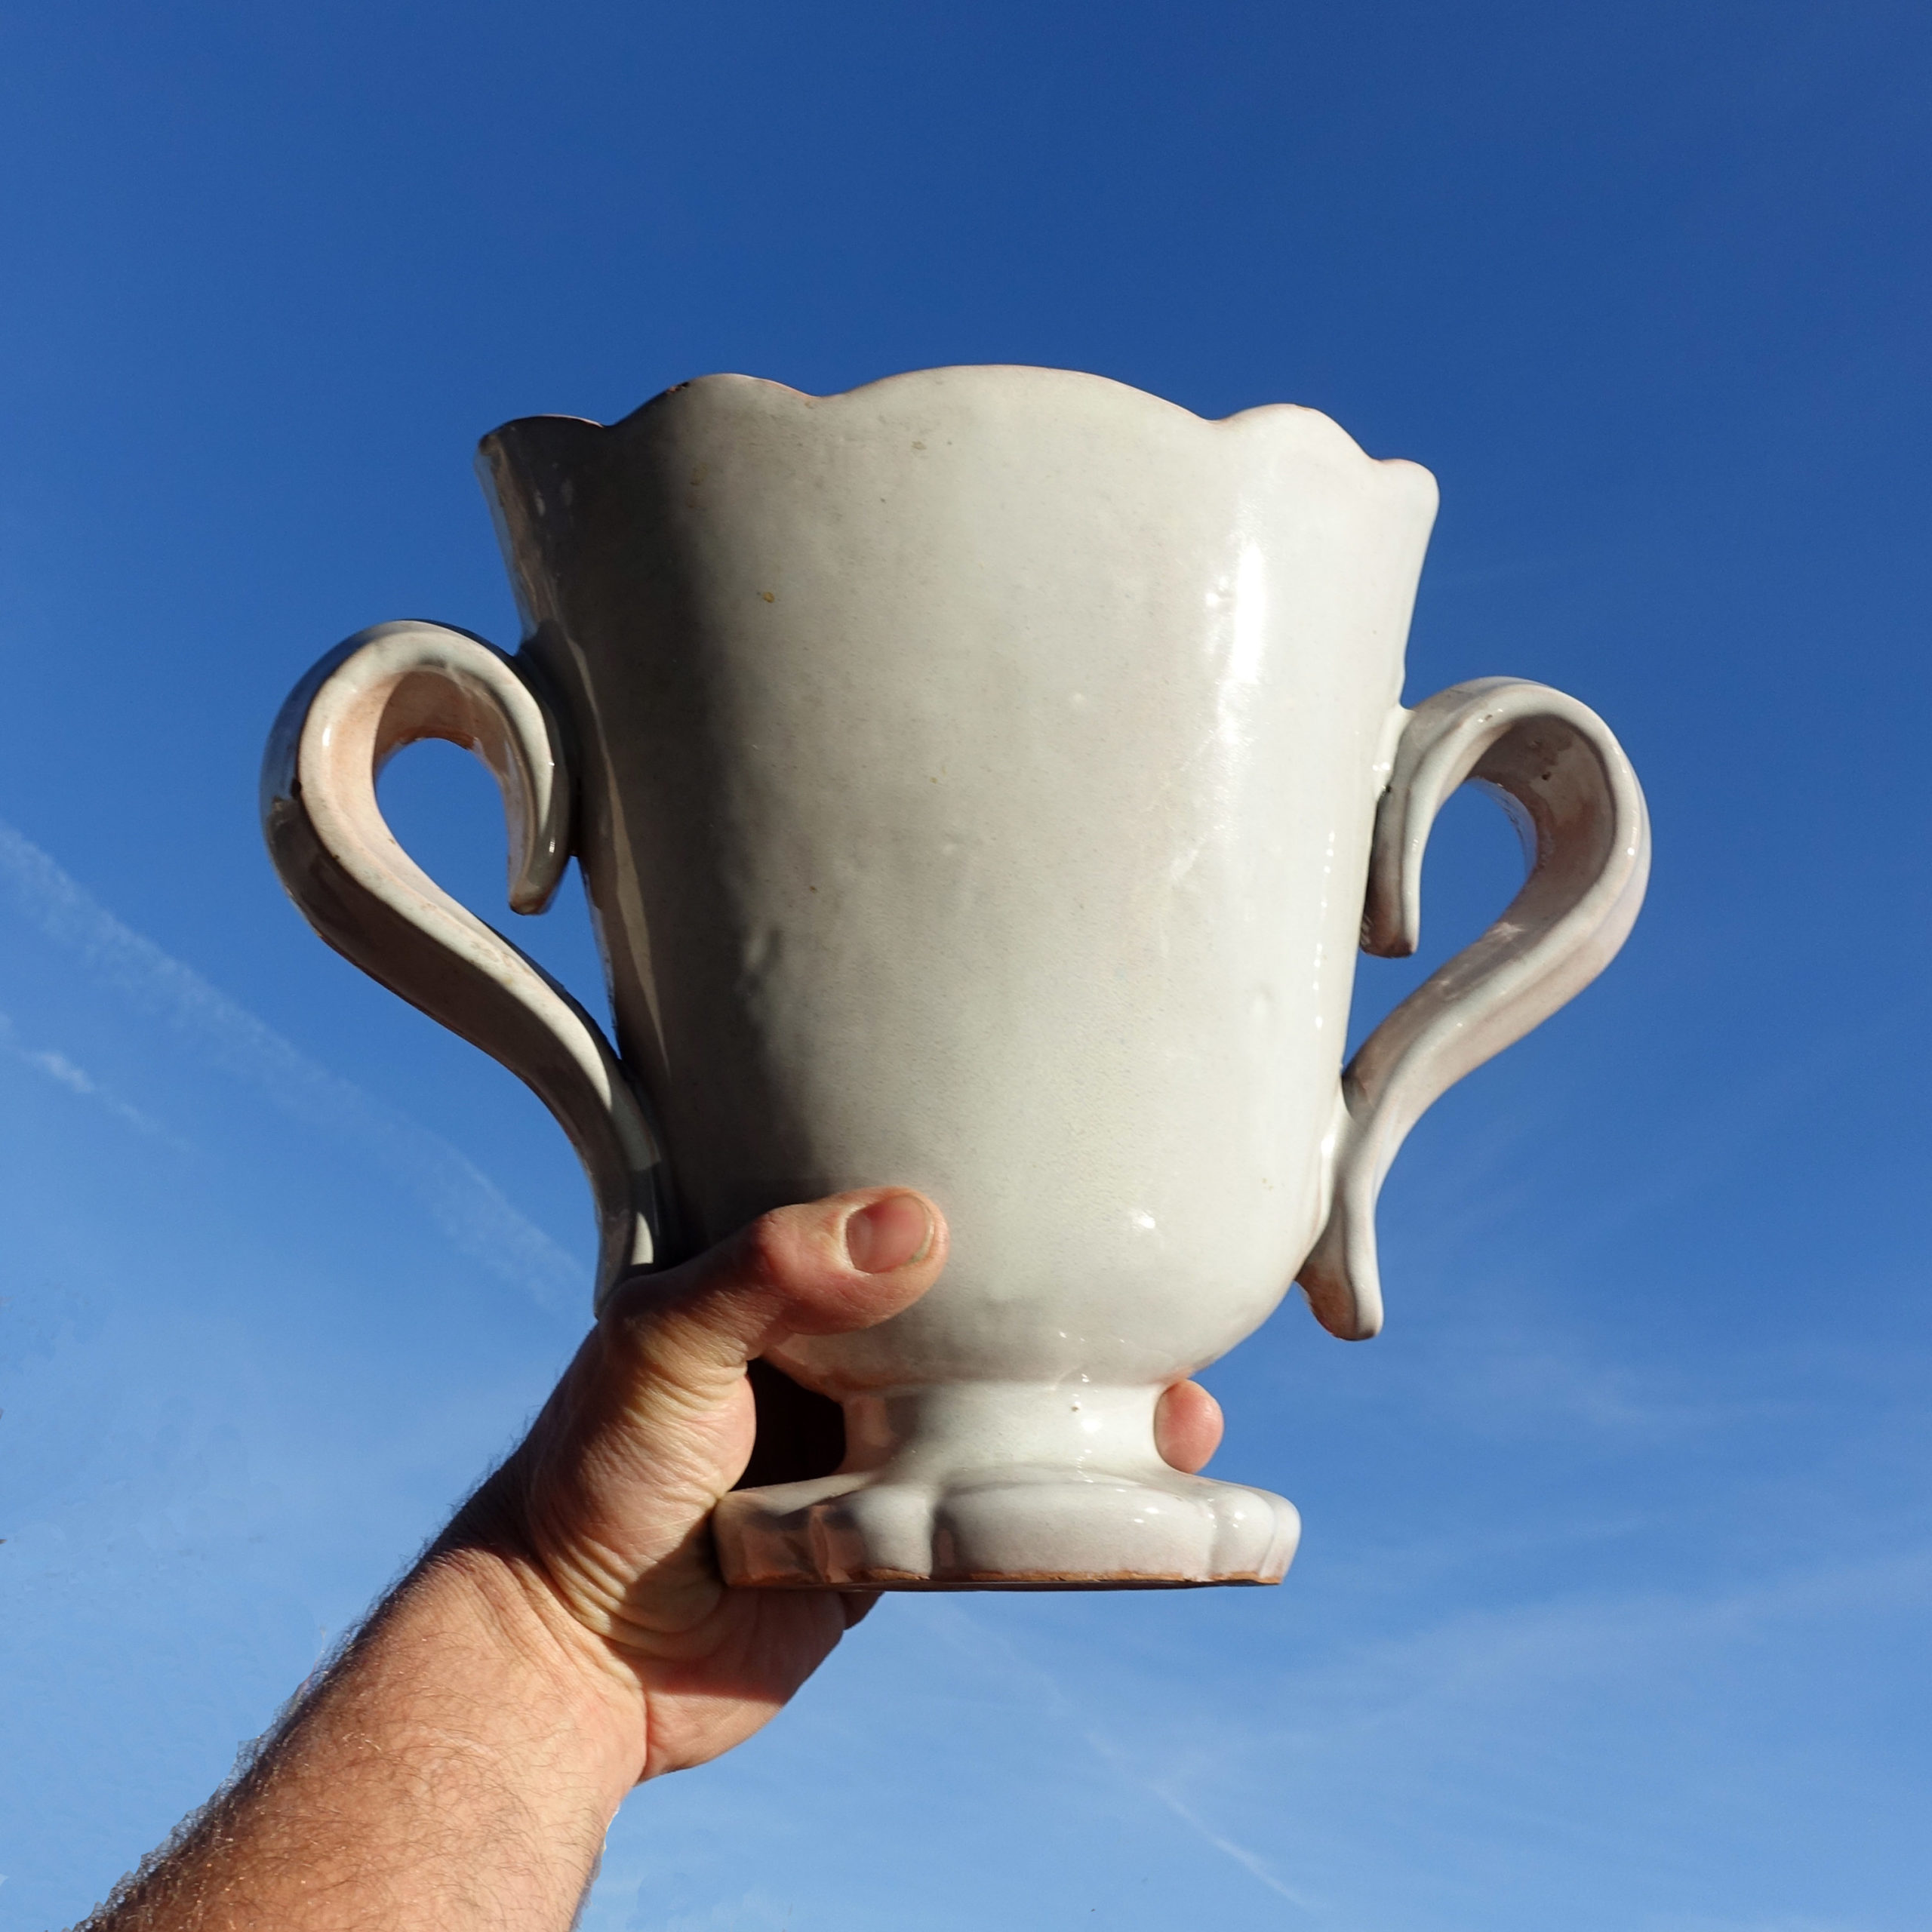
<point x="386" y="688"/>
<point x="1565" y="780"/>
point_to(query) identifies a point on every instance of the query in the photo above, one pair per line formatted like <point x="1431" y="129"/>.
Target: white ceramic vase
<point x="983" y="780"/>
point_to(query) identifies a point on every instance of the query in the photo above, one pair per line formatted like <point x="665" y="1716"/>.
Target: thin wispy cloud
<point x="463" y="1204"/>
<point x="1528" y="1651"/>
<point x="1501" y="1378"/>
<point x="58" y="1068"/>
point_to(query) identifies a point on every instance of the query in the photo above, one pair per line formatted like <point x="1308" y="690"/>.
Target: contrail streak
<point x="1246" y="1859"/>
<point x="476" y="1218"/>
<point x="1015" y="1660"/>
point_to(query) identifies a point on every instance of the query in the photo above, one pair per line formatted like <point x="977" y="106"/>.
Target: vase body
<point x="976" y="774"/>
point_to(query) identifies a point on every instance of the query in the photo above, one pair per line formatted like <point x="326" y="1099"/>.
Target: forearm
<point x="458" y="1768"/>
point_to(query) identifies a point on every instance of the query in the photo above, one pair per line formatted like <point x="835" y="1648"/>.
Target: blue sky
<point x="1610" y="1612"/>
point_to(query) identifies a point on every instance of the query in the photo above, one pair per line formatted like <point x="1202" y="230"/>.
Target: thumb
<point x="821" y="1268"/>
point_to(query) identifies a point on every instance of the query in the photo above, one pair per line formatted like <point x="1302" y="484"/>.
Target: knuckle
<point x="768" y="1250"/>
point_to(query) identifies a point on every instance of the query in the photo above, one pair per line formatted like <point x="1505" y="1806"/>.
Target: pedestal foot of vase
<point x="992" y="1488"/>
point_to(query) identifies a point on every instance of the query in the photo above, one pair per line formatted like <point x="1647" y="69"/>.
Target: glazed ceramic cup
<point x="979" y="779"/>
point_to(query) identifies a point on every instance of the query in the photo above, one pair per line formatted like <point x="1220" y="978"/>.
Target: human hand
<point x="604" y="1508"/>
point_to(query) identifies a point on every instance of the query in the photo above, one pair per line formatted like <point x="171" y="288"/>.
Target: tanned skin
<point x="567" y="1635"/>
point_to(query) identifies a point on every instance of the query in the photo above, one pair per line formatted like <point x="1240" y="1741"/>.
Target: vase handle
<point x="387" y="687"/>
<point x="1565" y="781"/>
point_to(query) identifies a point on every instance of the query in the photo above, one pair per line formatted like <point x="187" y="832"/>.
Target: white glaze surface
<point x="976" y="776"/>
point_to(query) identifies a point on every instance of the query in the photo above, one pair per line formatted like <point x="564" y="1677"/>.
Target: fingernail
<point x="888" y="1234"/>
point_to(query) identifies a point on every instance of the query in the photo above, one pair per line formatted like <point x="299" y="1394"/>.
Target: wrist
<point x="553" y="1689"/>
<point x="460" y="1755"/>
